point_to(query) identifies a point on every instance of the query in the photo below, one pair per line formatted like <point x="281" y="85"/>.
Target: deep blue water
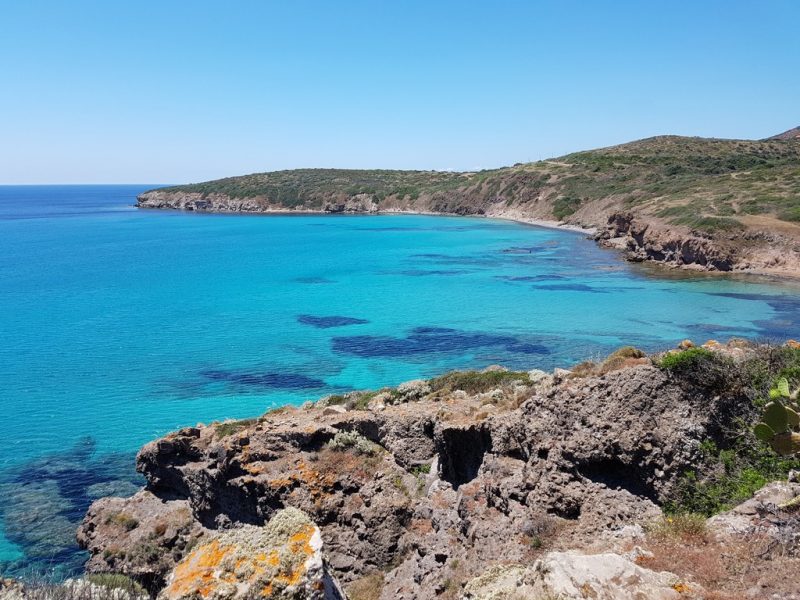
<point x="119" y="325"/>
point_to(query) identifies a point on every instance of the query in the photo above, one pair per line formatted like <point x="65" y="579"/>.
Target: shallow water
<point x="119" y="325"/>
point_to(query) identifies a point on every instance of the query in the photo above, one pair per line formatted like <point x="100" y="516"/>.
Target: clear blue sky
<point x="170" y="91"/>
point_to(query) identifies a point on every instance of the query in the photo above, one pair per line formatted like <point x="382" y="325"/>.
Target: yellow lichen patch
<point x="266" y="560"/>
<point x="681" y="588"/>
<point x="195" y="574"/>
<point x="253" y="468"/>
<point x="300" y="548"/>
<point x="318" y="484"/>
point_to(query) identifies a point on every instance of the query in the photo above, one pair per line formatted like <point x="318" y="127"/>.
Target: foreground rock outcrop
<point x="418" y="490"/>
<point x="282" y="559"/>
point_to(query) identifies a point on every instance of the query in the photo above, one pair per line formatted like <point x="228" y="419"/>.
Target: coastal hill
<point x="705" y="203"/>
<point x="792" y="134"/>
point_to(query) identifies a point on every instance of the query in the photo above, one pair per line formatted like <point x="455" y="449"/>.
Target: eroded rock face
<point x="282" y="559"/>
<point x="144" y="536"/>
<point x="645" y="240"/>
<point x="436" y="486"/>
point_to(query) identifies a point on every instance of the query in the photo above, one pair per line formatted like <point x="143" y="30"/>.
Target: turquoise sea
<point x="118" y="325"/>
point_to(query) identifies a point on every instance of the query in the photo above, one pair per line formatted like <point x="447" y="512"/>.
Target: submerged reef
<point x="45" y="499"/>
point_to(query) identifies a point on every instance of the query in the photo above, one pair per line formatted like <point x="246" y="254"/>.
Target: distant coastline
<point x="693" y="203"/>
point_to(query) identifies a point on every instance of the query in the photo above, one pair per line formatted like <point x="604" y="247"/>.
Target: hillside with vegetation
<point x="717" y="190"/>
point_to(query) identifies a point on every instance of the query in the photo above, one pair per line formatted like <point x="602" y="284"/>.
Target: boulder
<point x="771" y="518"/>
<point x="570" y="575"/>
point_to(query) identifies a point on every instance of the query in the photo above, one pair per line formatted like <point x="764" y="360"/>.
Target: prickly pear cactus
<point x="780" y="420"/>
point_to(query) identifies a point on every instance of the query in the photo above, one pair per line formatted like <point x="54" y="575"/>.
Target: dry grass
<point x="688" y="528"/>
<point x="726" y="570"/>
<point x="623" y="358"/>
<point x="366" y="588"/>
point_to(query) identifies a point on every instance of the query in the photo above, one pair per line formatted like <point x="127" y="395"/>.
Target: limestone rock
<point x="606" y="576"/>
<point x="282" y="559"/>
<point x="569" y="575"/>
<point x="771" y="517"/>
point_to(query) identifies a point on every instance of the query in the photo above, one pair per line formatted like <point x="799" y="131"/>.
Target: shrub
<point x="686" y="360"/>
<point x="625" y="356"/>
<point x="736" y="474"/>
<point x="103" y="586"/>
<point x="346" y="440"/>
<point x="230" y="427"/>
<point x="350" y="400"/>
<point x="125" y="521"/>
<point x="116" y="581"/>
<point x="564" y="206"/>
<point x="475" y="382"/>
<point x="586" y="368"/>
<point x="421" y="469"/>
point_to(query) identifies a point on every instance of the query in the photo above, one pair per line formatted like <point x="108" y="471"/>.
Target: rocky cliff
<point x="418" y="490"/>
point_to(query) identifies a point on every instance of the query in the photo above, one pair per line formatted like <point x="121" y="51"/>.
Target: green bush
<point x="686" y="360"/>
<point x="475" y="382"/>
<point x="230" y="427"/>
<point x="564" y="206"/>
<point x="127" y="522"/>
<point x="736" y="474"/>
<point x="790" y="214"/>
<point x="347" y="440"/>
<point x="683" y="526"/>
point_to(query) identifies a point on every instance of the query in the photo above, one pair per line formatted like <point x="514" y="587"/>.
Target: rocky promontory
<point x="478" y="484"/>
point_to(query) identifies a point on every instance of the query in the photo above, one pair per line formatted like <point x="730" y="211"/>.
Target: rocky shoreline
<point x="472" y="485"/>
<point x="638" y="238"/>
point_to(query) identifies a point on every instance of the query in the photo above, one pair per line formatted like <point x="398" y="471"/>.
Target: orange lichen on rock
<point x="270" y="561"/>
<point x="196" y="574"/>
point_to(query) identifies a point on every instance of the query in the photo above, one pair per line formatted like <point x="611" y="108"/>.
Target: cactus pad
<point x="792" y="417"/>
<point x="764" y="432"/>
<point x="775" y="416"/>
